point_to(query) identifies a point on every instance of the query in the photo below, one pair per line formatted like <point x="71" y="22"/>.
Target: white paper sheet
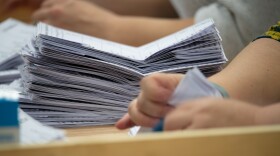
<point x="33" y="132"/>
<point x="13" y="36"/>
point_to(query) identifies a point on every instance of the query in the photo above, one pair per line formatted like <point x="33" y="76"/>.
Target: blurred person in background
<point x="136" y="22"/>
<point x="250" y="81"/>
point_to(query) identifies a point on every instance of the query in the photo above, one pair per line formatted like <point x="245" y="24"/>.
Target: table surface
<point x="93" y="130"/>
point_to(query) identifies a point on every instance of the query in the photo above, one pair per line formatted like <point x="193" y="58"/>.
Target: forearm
<point x="138" y="31"/>
<point x="268" y="115"/>
<point x="253" y="76"/>
<point x="153" y="8"/>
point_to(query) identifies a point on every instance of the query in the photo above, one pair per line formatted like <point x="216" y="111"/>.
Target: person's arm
<point x="253" y="76"/>
<point x="217" y="112"/>
<point x="268" y="115"/>
<point x="152" y="8"/>
<point x="106" y="24"/>
<point x="137" y="31"/>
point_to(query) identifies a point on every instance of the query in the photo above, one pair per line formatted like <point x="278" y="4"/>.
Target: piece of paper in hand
<point x="194" y="85"/>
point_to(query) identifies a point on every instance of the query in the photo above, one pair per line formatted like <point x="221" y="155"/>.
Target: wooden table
<point x="94" y="130"/>
<point x="245" y="141"/>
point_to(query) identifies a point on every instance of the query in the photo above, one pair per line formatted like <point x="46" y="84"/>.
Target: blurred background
<point x="22" y="13"/>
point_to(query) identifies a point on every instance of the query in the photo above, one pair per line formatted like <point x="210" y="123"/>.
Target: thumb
<point x="159" y="87"/>
<point x="125" y="122"/>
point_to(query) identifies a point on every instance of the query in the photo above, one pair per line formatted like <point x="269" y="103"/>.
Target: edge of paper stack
<point x="71" y="80"/>
<point x="13" y="36"/>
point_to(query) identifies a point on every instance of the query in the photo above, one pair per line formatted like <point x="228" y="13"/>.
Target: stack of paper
<point x="76" y="80"/>
<point x="8" y="76"/>
<point x="33" y="132"/>
<point x="13" y="36"/>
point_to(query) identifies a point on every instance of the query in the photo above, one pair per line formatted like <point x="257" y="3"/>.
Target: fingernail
<point x="159" y="126"/>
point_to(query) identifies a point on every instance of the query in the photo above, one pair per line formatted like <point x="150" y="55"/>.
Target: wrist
<point x="268" y="115"/>
<point x="259" y="117"/>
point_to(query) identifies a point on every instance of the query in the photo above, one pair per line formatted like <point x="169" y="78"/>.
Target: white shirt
<point x="239" y="21"/>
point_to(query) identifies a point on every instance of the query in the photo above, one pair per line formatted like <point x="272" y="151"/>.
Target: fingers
<point x="156" y="91"/>
<point x="177" y="120"/>
<point x="153" y="109"/>
<point x="140" y="118"/>
<point x="49" y="10"/>
<point x="202" y="113"/>
<point x="195" y="114"/>
<point x="151" y="104"/>
<point x="48" y="14"/>
<point x="159" y="87"/>
<point x="125" y="122"/>
<point x="135" y="117"/>
<point x="50" y="3"/>
<point x="47" y="3"/>
<point x="41" y="15"/>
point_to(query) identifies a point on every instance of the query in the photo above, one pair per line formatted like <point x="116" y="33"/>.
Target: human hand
<point x="75" y="15"/>
<point x="209" y="113"/>
<point x="11" y="4"/>
<point x="152" y="102"/>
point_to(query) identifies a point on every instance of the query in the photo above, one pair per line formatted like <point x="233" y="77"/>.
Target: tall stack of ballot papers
<point x="70" y="79"/>
<point x="13" y="36"/>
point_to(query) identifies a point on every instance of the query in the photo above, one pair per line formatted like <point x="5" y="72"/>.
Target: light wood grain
<point x="93" y="130"/>
<point x="251" y="141"/>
